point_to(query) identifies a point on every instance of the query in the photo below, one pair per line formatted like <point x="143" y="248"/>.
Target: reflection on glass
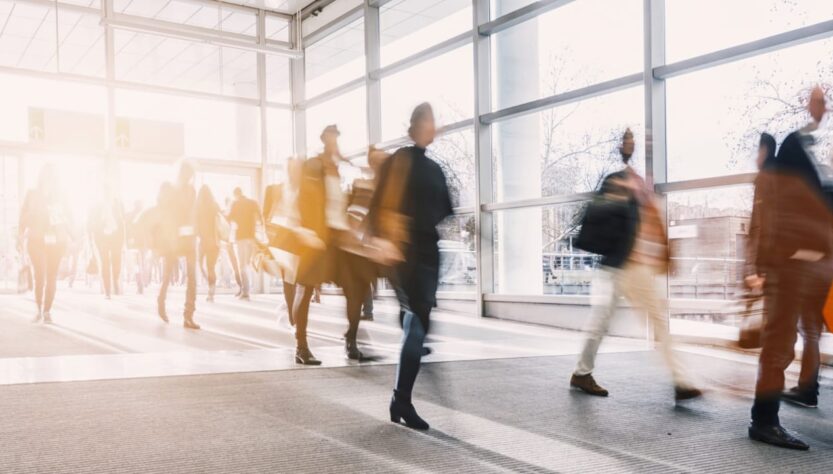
<point x="455" y="153"/>
<point x="715" y="116"/>
<point x="707" y="233"/>
<point x="446" y="82"/>
<point x="540" y="258"/>
<point x="567" y="149"/>
<point x="458" y="261"/>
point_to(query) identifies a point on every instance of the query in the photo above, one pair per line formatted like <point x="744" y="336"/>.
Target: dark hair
<point x="205" y="198"/>
<point x="421" y="112"/>
<point x="628" y="134"/>
<point x="768" y="141"/>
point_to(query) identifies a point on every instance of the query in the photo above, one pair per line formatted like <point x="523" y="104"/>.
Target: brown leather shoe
<point x="587" y="384"/>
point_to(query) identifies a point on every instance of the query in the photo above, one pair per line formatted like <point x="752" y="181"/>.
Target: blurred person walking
<point x="135" y="250"/>
<point x="179" y="214"/>
<point x="623" y="224"/>
<point x="280" y="215"/>
<point x="794" y="251"/>
<point x="321" y="210"/>
<point x="44" y="229"/>
<point x="411" y="199"/>
<point x="361" y="197"/>
<point x="107" y="231"/>
<point x="244" y="214"/>
<point x="208" y="223"/>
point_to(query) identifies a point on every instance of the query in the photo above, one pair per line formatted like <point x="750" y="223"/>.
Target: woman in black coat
<point x="412" y="198"/>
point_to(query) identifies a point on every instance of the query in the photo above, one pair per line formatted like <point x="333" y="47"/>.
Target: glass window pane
<point x="715" y="116"/>
<point x="410" y="26"/>
<point x="235" y="20"/>
<point x="534" y="252"/>
<point x="458" y="261"/>
<point x="335" y="60"/>
<point x="277" y="28"/>
<point x="738" y="22"/>
<point x="277" y="79"/>
<point x="446" y="82"/>
<point x="81" y="43"/>
<point x="168" y="62"/>
<point x="455" y="153"/>
<point x="707" y="232"/>
<point x="212" y="129"/>
<point x="349" y="112"/>
<point x="20" y="93"/>
<point x="563" y="50"/>
<point x="502" y="7"/>
<point x="279" y="133"/>
<point x="27" y="41"/>
<point x="566" y="149"/>
<point x="239" y="72"/>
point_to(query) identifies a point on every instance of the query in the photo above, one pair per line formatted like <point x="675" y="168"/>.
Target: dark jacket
<point x="411" y="199"/>
<point x="610" y="222"/>
<point x="792" y="209"/>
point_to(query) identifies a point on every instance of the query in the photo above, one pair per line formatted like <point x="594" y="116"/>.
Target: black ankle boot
<point x="401" y="409"/>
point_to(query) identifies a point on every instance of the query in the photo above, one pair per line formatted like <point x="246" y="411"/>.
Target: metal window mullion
<point x="110" y="79"/>
<point x="431" y="52"/>
<point x="297" y="84"/>
<point x="483" y="220"/>
<point x="564" y="98"/>
<point x="656" y="163"/>
<point x="373" y="60"/>
<point x="746" y="50"/>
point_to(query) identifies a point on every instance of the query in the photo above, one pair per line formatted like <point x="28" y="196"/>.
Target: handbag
<point x="827" y="312"/>
<point x="751" y="326"/>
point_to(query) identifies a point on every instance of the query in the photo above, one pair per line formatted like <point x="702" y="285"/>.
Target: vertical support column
<point x="297" y="83"/>
<point x="373" y="61"/>
<point x="483" y="220"/>
<point x="110" y="72"/>
<point x="520" y="239"/>
<point x="264" y="127"/>
<point x="261" y="94"/>
<point x="656" y="165"/>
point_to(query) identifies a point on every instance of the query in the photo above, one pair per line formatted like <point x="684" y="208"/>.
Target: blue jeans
<point x="411" y="355"/>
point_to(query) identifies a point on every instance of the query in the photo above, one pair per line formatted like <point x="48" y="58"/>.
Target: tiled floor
<point x="94" y="339"/>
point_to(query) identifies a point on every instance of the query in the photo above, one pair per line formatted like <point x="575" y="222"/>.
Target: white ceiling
<point x="286" y="6"/>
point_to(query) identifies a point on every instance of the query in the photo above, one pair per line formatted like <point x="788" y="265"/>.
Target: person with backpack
<point x="624" y="226"/>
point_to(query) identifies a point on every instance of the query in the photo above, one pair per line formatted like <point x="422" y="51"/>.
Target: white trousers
<point x="637" y="283"/>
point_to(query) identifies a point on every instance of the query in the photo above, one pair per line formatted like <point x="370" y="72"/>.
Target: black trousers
<point x="415" y="282"/>
<point x="794" y="292"/>
<point x="208" y="257"/>
<point x="170" y="263"/>
<point x="109" y="254"/>
<point x="45" y="262"/>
